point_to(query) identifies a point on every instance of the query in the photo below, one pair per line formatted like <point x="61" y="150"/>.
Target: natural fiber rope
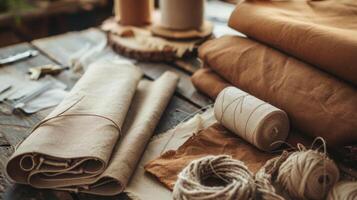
<point x="346" y="190"/>
<point x="303" y="174"/>
<point x="265" y="176"/>
<point x="239" y="181"/>
<point x="307" y="174"/>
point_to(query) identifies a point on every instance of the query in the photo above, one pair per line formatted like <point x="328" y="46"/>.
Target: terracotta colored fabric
<point x="214" y="140"/>
<point x="317" y="103"/>
<point x="205" y="78"/>
<point x="209" y="82"/>
<point x="323" y="32"/>
<point x="87" y="143"/>
<point x="142" y="184"/>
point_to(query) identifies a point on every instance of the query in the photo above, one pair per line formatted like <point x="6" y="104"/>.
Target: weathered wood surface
<point x="15" y="128"/>
<point x="62" y="47"/>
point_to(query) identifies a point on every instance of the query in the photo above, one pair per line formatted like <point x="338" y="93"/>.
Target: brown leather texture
<point x="214" y="140"/>
<point x="318" y="104"/>
<point x="322" y="33"/>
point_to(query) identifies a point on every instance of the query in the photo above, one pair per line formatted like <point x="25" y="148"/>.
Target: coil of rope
<point x="302" y="174"/>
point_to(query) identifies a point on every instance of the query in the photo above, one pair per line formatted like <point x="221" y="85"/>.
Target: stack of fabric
<point x="300" y="56"/>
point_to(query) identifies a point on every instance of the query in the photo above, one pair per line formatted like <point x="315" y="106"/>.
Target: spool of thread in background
<point x="182" y="14"/>
<point x="133" y="12"/>
<point x="254" y="120"/>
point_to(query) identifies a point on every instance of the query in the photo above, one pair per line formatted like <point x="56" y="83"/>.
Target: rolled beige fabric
<point x="254" y="120"/>
<point x="76" y="140"/>
<point x="82" y="146"/>
<point x="133" y="12"/>
<point x="182" y="14"/>
<point x="146" y="109"/>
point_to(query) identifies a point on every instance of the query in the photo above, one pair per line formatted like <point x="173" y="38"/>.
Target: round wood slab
<point x="139" y="43"/>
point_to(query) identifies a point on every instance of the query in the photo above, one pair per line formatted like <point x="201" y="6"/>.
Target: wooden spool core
<point x="204" y="32"/>
<point x="139" y="43"/>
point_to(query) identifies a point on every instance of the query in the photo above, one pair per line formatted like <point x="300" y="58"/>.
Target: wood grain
<point x="60" y="48"/>
<point x="15" y="128"/>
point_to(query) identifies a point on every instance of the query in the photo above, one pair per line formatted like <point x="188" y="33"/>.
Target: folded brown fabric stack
<point x="93" y="140"/>
<point x="318" y="102"/>
<point x="320" y="32"/>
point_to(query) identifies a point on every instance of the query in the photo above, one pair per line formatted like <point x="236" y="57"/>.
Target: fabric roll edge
<point x="119" y="182"/>
<point x="54" y="158"/>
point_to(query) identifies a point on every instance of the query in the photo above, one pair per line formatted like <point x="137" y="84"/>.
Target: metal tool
<point x="18" y="56"/>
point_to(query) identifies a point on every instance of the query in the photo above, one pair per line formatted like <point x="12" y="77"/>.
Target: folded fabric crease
<point x="86" y="143"/>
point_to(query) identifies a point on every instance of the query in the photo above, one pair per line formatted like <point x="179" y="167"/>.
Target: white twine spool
<point x="182" y="14"/>
<point x="346" y="190"/>
<point x="256" y="121"/>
